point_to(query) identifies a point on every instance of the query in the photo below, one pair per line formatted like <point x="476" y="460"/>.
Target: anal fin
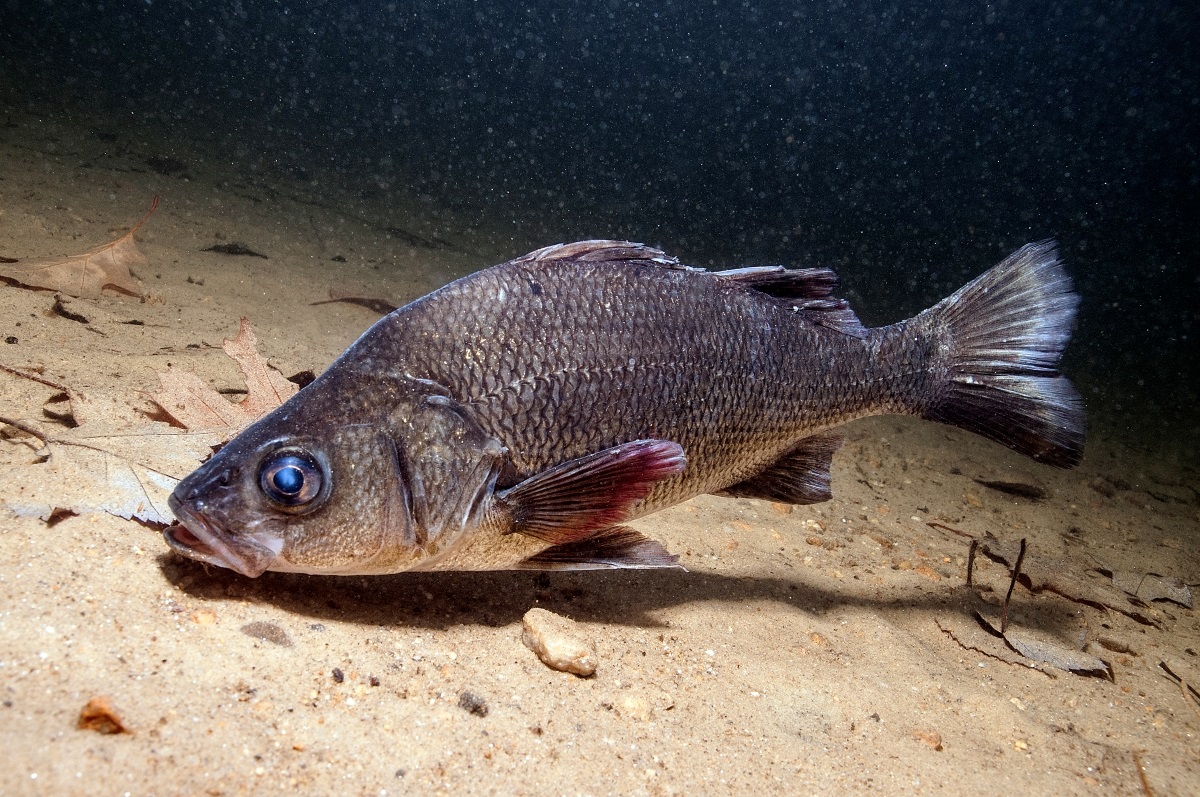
<point x="801" y="476"/>
<point x="619" y="547"/>
<point x="570" y="502"/>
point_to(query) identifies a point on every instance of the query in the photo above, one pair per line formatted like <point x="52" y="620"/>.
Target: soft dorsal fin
<point x="808" y="291"/>
<point x="599" y="251"/>
<point x="784" y="283"/>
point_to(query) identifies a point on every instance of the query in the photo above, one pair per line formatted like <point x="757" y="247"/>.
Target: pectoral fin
<point x="618" y="547"/>
<point x="570" y="502"/>
<point x="801" y="476"/>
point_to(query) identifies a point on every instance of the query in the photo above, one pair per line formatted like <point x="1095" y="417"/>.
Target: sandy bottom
<point x="806" y="651"/>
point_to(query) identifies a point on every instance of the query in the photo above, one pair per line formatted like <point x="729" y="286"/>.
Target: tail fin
<point x="1004" y="334"/>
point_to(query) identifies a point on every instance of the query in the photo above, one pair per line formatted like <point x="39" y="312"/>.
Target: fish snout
<point x="199" y="536"/>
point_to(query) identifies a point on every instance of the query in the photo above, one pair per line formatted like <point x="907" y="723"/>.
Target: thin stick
<point x="1016" y="572"/>
<point x="1141" y="770"/>
<point x="32" y="378"/>
<point x="971" y="559"/>
<point x="935" y="525"/>
<point x="1190" y="695"/>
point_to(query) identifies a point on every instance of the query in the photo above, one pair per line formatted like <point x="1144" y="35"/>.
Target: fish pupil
<point x="288" y="480"/>
<point x="291" y="479"/>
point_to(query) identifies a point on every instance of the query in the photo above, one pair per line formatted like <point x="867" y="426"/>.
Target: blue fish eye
<point x="290" y="479"/>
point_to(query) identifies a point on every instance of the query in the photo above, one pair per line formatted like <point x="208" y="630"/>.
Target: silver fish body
<point x="518" y="416"/>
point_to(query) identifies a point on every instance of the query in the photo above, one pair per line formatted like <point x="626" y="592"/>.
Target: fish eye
<point x="290" y="478"/>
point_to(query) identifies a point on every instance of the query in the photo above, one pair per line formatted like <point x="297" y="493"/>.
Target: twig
<point x="1190" y="695"/>
<point x="1016" y="572"/>
<point x="971" y="559"/>
<point x="38" y="379"/>
<point x="1141" y="770"/>
<point x="935" y="525"/>
<point x="44" y="452"/>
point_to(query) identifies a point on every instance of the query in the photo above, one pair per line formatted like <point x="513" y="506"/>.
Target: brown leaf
<point x="87" y="274"/>
<point x="110" y="464"/>
<point x="266" y="388"/>
<point x="191" y="402"/>
<point x="127" y="471"/>
<point x="100" y="716"/>
<point x="1061" y="577"/>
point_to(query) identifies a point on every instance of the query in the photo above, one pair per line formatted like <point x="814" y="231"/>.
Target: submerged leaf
<point x="192" y="403"/>
<point x="86" y="275"/>
<point x="1151" y="586"/>
<point x="129" y="469"/>
<point x="124" y="471"/>
<point x="1052" y="653"/>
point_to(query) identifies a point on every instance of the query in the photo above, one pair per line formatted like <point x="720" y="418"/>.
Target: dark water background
<point x="909" y="145"/>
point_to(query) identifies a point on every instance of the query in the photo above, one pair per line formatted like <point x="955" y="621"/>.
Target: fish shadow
<point x="438" y="601"/>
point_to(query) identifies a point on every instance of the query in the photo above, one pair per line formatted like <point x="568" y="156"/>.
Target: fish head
<point x="296" y="496"/>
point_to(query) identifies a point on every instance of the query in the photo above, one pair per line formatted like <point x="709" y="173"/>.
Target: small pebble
<point x="558" y="642"/>
<point x="268" y="632"/>
<point x="469" y="701"/>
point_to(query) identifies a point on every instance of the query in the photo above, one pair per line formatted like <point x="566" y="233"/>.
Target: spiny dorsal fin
<point x="599" y="251"/>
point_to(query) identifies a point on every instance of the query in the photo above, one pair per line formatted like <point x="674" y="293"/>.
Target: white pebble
<point x="558" y="642"/>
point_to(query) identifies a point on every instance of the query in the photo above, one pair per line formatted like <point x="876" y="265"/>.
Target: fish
<point x="521" y="416"/>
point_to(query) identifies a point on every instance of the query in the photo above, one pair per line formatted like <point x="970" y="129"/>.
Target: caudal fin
<point x="1003" y="335"/>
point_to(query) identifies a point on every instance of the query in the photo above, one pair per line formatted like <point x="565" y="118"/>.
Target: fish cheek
<point x="353" y="527"/>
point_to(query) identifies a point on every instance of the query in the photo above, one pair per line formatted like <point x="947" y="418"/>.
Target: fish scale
<point x="751" y="405"/>
<point x="516" y="417"/>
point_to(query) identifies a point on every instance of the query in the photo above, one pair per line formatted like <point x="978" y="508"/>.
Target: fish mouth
<point x="197" y="538"/>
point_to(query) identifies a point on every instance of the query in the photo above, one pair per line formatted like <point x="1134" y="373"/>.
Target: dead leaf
<point x="976" y="628"/>
<point x="1150" y="586"/>
<point x="86" y="275"/>
<point x="108" y="464"/>
<point x="127" y="471"/>
<point x="100" y="716"/>
<point x="1061" y="577"/>
<point x="235" y="248"/>
<point x="192" y="403"/>
<point x="1060" y="656"/>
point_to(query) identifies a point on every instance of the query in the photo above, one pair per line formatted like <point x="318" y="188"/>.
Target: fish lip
<point x="198" y="538"/>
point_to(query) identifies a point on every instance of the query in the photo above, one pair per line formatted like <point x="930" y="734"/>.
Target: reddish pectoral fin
<point x="572" y="501"/>
<point x="618" y="547"/>
<point x="799" y="477"/>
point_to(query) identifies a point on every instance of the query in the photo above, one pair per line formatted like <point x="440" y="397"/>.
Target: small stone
<point x="469" y="701"/>
<point x="267" y="632"/>
<point x="637" y="708"/>
<point x="558" y="642"/>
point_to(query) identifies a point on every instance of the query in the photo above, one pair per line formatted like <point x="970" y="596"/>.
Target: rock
<point x="558" y="642"/>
